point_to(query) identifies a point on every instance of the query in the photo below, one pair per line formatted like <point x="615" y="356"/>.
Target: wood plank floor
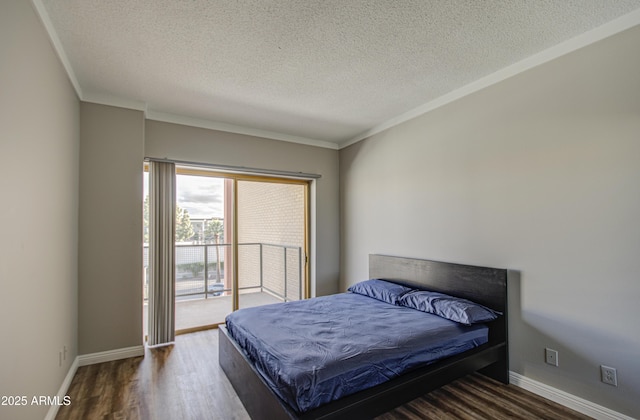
<point x="478" y="397"/>
<point x="184" y="381"/>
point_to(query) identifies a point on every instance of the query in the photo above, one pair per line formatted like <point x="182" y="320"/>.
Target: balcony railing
<point x="263" y="267"/>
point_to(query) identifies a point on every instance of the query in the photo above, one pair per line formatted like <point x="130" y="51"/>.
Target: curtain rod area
<point x="236" y="169"/>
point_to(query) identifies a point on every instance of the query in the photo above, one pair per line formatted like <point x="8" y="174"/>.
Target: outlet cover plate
<point x="609" y="375"/>
<point x="551" y="356"/>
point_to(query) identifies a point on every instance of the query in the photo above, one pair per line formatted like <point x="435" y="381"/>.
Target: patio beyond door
<point x="271" y="242"/>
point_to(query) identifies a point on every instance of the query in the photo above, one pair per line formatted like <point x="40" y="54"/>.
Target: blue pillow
<point x="385" y="291"/>
<point x="449" y="307"/>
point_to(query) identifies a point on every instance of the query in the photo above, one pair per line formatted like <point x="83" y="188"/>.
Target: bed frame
<point x="487" y="286"/>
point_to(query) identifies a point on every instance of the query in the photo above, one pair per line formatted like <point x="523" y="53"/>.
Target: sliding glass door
<point x="241" y="241"/>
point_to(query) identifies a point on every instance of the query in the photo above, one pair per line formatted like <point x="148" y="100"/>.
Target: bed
<point x="264" y="396"/>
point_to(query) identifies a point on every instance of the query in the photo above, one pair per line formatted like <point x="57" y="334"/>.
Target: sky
<point x="201" y="196"/>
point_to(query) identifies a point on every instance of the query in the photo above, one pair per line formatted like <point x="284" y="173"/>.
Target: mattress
<point x="314" y="351"/>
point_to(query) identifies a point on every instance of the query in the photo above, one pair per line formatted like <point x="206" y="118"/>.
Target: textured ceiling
<point x="327" y="71"/>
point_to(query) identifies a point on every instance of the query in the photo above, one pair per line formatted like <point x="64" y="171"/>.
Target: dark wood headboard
<point x="487" y="286"/>
<point x="484" y="285"/>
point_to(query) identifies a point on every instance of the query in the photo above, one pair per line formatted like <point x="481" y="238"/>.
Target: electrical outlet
<point x="609" y="375"/>
<point x="551" y="356"/>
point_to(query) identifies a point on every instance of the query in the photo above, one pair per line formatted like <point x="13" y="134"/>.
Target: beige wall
<point x="541" y="174"/>
<point x="39" y="140"/>
<point x="179" y="142"/>
<point x="110" y="228"/>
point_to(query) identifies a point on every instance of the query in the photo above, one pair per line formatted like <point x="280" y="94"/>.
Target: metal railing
<point x="273" y="266"/>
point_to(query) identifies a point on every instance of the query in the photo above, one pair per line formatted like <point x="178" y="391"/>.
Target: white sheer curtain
<point x="162" y="210"/>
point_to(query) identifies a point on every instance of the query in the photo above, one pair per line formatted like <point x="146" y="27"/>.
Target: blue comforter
<point x="318" y="350"/>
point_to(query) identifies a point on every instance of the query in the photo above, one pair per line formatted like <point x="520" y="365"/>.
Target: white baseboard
<point x="90" y="359"/>
<point x="110" y="355"/>
<point x="62" y="392"/>
<point x="568" y="400"/>
<point x="564" y="398"/>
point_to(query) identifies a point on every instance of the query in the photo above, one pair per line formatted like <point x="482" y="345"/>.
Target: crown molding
<point x="42" y="13"/>
<point x="236" y="129"/>
<point x="590" y="37"/>
<point x="111" y="100"/>
<point x="597" y="34"/>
